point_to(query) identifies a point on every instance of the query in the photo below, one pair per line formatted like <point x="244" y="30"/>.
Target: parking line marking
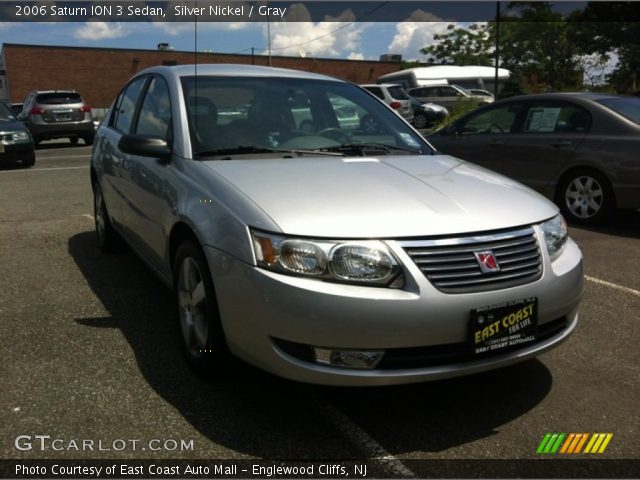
<point x="361" y="439"/>
<point x="613" y="285"/>
<point x="43" y="169"/>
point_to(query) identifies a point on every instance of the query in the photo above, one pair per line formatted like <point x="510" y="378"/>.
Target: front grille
<point x="451" y="266"/>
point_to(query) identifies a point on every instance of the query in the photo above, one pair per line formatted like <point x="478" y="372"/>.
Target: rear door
<point x="548" y="138"/>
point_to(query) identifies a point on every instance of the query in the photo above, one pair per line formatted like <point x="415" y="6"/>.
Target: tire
<point x="73" y="140"/>
<point x="585" y="197"/>
<point x="203" y="340"/>
<point x="88" y="139"/>
<point x="29" y="162"/>
<point x="420" y="121"/>
<point x="369" y="124"/>
<point x="107" y="236"/>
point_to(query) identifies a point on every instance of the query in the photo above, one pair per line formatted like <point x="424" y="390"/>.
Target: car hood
<point x="384" y="197"/>
<point x="12" y="126"/>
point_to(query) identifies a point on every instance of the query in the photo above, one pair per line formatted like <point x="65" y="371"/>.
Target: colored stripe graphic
<point x="574" y="443"/>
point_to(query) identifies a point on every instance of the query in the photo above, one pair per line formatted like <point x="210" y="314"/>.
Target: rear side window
<point x="58" y="98"/>
<point x="126" y="105"/>
<point x="398" y="93"/>
<point x="556" y="117"/>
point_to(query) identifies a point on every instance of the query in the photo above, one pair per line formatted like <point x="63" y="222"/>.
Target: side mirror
<point x="145" y="146"/>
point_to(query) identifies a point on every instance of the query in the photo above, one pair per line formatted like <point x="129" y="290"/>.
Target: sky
<point x="332" y="39"/>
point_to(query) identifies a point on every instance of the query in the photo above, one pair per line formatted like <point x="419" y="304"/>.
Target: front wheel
<point x="585" y="197"/>
<point x="203" y="339"/>
<point x="420" y="121"/>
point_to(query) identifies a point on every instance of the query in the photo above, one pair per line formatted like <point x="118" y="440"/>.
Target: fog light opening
<point x="363" y="359"/>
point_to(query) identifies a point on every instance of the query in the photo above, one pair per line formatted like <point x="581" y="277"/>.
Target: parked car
<point x="335" y="256"/>
<point x="394" y="96"/>
<point x="427" y="114"/>
<point x="579" y="149"/>
<point x="481" y="92"/>
<point x="16" y="144"/>
<point x="51" y="114"/>
<point x="445" y="95"/>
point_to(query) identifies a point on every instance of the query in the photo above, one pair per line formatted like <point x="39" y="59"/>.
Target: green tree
<point x="461" y="46"/>
<point x="606" y="28"/>
<point x="535" y="44"/>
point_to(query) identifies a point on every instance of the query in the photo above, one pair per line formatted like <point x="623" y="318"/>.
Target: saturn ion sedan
<point x="328" y="255"/>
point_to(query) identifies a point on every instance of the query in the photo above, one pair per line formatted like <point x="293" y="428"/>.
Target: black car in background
<point x="16" y="144"/>
<point x="580" y="149"/>
<point x="426" y="115"/>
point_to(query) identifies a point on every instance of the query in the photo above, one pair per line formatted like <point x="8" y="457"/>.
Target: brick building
<point x="99" y="73"/>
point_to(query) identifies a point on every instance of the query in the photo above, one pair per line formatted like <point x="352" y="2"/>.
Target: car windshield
<point x="58" y="98"/>
<point x="628" y="107"/>
<point x="252" y="116"/>
<point x="6" y="115"/>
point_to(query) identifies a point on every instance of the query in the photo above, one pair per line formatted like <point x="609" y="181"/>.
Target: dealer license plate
<point x="505" y="325"/>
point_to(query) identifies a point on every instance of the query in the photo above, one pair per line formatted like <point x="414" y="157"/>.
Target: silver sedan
<point x="326" y="254"/>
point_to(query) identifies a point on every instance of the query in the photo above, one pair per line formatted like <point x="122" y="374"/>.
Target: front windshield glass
<point x="242" y="115"/>
<point x="6" y="115"/>
<point x="628" y="107"/>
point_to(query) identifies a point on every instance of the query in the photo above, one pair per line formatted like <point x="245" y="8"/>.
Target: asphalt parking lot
<point x="89" y="350"/>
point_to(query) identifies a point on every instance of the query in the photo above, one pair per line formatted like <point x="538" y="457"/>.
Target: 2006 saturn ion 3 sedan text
<point x="326" y="254"/>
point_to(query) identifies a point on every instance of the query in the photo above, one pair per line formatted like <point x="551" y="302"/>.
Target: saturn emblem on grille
<point x="487" y="261"/>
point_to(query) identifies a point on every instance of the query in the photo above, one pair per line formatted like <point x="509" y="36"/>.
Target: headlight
<point x="366" y="262"/>
<point x="20" y="136"/>
<point x="555" y="235"/>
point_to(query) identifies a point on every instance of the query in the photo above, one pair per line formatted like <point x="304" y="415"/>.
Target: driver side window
<point x="500" y="119"/>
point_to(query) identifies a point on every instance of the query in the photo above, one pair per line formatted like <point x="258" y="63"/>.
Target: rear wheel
<point x="107" y="236"/>
<point x="88" y="139"/>
<point x="73" y="140"/>
<point x="586" y="197"/>
<point x="203" y="339"/>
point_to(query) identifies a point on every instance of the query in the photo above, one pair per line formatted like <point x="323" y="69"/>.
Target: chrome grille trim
<point x="450" y="265"/>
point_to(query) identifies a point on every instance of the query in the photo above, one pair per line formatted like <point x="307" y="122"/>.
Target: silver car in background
<point x="329" y="255"/>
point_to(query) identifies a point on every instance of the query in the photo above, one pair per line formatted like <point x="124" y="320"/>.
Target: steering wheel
<point x="490" y="128"/>
<point x="335" y="134"/>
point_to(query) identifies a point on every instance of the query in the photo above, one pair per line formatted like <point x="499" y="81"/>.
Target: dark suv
<point x="53" y="114"/>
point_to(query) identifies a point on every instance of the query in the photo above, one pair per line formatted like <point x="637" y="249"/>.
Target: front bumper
<point x="17" y="152"/>
<point x="261" y="309"/>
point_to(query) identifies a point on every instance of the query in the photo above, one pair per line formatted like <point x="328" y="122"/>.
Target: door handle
<point x="563" y="143"/>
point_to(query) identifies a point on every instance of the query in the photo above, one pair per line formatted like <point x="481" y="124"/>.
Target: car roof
<point x="565" y="95"/>
<point x="66" y="90"/>
<point x="387" y="85"/>
<point x="231" y="70"/>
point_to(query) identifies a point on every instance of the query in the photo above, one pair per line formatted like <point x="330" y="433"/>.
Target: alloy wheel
<point x="584" y="197"/>
<point x="192" y="307"/>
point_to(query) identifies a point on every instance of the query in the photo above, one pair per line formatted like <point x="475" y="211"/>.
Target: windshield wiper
<point x="246" y="149"/>
<point x="361" y="147"/>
